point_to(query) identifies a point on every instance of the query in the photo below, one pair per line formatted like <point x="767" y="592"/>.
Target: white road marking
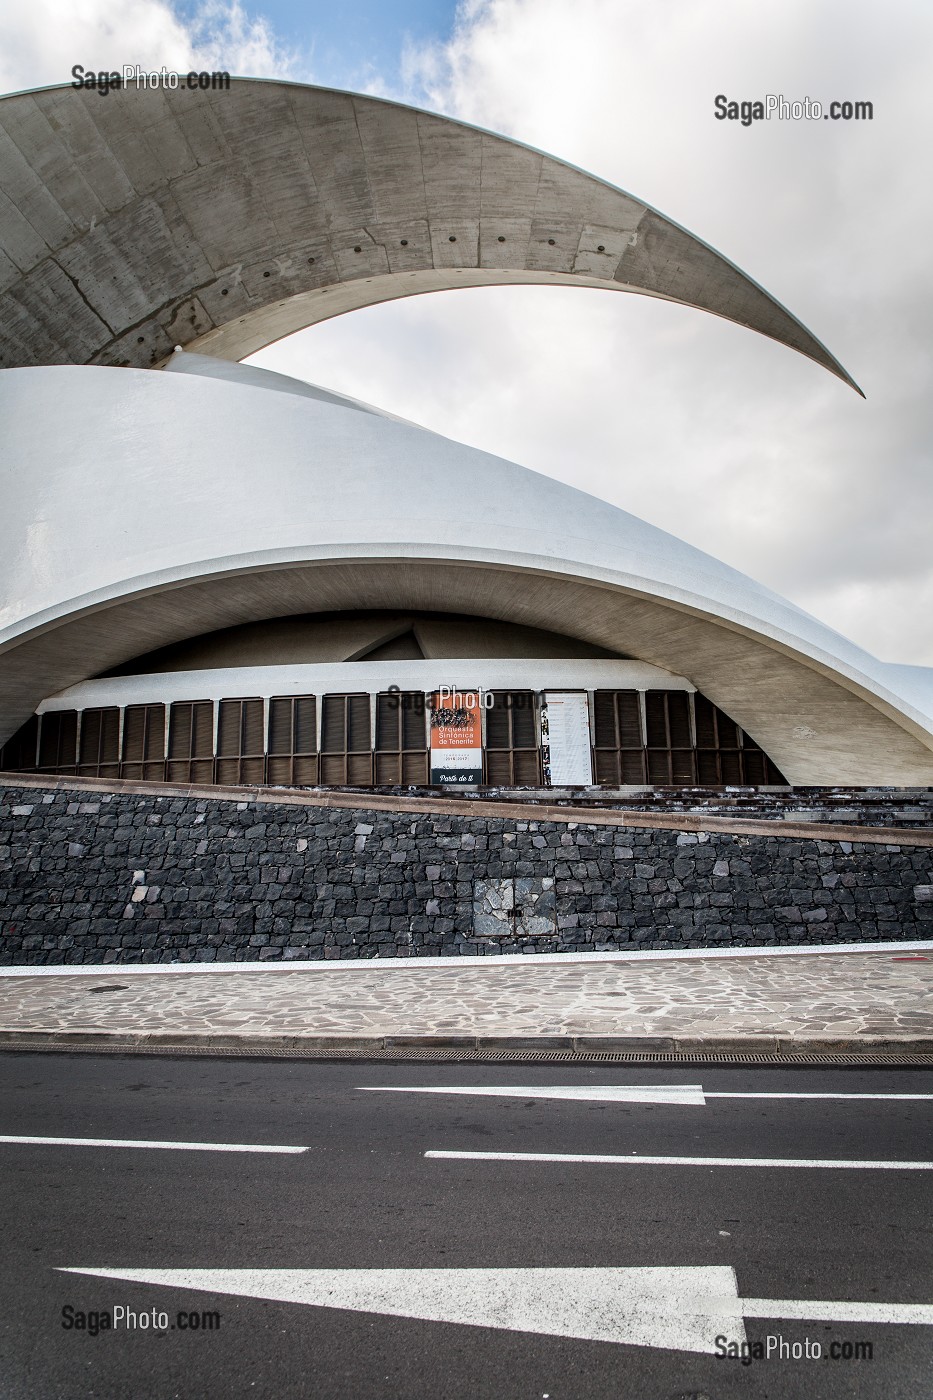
<point x="672" y="1309"/>
<point x="637" y="1160"/>
<point x="676" y="1309"/>
<point x="687" y="1094"/>
<point x="144" y="1142"/>
<point x="723" y="1094"/>
<point x="588" y="1093"/>
<point x="802" y="1309"/>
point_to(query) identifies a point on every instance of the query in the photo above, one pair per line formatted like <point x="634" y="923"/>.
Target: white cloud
<point x="43" y="39"/>
<point x="721" y="437"/>
<point x="226" y="37"/>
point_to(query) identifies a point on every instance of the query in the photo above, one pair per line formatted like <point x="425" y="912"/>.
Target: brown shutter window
<point x="618" y="748"/>
<point x="606" y="767"/>
<point x="726" y="756"/>
<point x="498" y="768"/>
<point x="292" y="758"/>
<point x="709" y="768"/>
<point x="709" y="772"/>
<point x="705" y="717"/>
<point x="671" y="758"/>
<point x="757" y="766"/>
<point x="659" y="767"/>
<point x="144" y="743"/>
<point x="58" y="741"/>
<point x="100" y="743"/>
<point x="753" y="764"/>
<point x="512" y="756"/>
<point x="629" y="719"/>
<point x="656" y="720"/>
<point x="346" y="744"/>
<point x="683" y="765"/>
<point x="498" y="729"/>
<point x="240" y="743"/>
<point x="659" y="738"/>
<point x="191" y="742"/>
<point x="401" y="756"/>
<point x="605" y="731"/>
<point x="718" y="755"/>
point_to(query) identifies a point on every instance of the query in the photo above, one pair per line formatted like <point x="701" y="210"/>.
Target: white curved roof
<point x="214" y="500"/>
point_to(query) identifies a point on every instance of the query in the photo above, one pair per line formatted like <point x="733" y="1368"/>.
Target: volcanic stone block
<point x="535" y="908"/>
<point x="493" y="905"/>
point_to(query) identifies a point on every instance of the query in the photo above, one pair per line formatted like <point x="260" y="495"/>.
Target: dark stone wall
<point x="92" y="876"/>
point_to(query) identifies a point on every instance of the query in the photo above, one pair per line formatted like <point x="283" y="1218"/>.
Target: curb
<point x="252" y="1043"/>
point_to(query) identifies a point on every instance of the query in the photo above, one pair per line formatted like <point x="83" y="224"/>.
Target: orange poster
<point x="456" y="738"/>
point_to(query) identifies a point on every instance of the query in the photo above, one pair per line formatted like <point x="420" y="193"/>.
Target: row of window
<point x="657" y="737"/>
<point x="667" y="748"/>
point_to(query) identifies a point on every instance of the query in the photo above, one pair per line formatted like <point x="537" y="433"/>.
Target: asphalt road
<point x="365" y="1197"/>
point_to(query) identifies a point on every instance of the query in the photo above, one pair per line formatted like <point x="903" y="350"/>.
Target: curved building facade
<point x="215" y="573"/>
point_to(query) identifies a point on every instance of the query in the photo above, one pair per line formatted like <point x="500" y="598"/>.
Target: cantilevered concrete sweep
<point x="222" y="221"/>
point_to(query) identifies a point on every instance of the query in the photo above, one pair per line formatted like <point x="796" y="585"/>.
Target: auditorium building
<point x="215" y="574"/>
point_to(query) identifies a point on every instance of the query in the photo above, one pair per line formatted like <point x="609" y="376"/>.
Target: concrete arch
<point x="222" y="221"/>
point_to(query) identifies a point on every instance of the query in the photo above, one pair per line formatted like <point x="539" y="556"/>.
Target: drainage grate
<point x="865" y="1060"/>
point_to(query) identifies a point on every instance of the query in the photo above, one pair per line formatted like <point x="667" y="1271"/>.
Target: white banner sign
<point x="565" y="739"/>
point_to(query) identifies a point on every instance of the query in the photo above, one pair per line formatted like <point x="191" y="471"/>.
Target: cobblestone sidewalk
<point x="881" y="994"/>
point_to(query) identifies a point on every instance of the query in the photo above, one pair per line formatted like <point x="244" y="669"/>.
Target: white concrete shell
<point x="222" y="221"/>
<point x="142" y="508"/>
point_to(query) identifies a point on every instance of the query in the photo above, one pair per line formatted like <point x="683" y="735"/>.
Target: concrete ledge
<point x="503" y="810"/>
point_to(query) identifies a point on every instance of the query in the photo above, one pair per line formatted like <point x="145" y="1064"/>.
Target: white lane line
<point x="144" y="1142"/>
<point x="735" y="1094"/>
<point x="604" y="1159"/>
<point x="800" y="1308"/>
<point x="588" y="1093"/>
<point x="669" y="1308"/>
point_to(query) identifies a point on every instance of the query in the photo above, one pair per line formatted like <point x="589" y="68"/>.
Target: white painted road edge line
<point x="604" y="1159"/>
<point x="141" y="1142"/>
<point x="472" y="960"/>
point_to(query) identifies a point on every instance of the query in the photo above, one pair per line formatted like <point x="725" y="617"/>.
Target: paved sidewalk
<point x="882" y="994"/>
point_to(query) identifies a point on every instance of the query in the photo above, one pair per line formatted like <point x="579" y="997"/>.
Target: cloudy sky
<point x="715" y="434"/>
